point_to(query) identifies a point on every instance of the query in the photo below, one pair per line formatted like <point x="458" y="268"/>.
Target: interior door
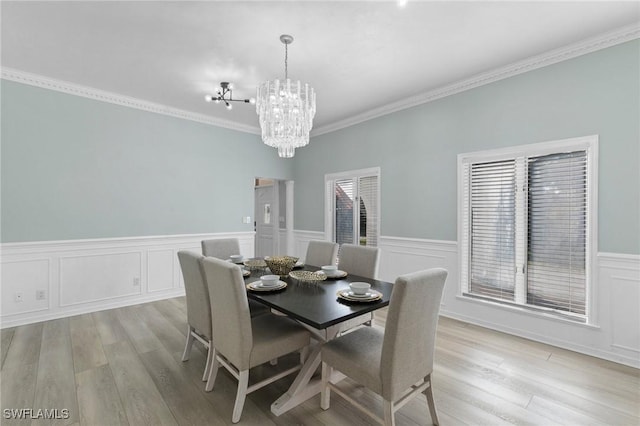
<point x="265" y="220"/>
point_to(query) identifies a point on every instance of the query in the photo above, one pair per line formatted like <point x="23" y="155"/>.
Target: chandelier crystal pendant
<point x="285" y="109"/>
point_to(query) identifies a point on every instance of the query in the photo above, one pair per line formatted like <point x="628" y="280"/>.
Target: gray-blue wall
<point x="417" y="148"/>
<point x="75" y="168"/>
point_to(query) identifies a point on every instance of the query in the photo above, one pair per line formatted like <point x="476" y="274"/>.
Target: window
<point x="352" y="200"/>
<point x="527" y="225"/>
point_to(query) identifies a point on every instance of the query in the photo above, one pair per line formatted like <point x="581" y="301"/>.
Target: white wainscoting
<point x="91" y="275"/>
<point x="301" y="241"/>
<point x="82" y="276"/>
<point x="615" y="335"/>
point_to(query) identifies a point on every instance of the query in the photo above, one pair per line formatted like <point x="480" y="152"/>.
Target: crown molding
<point x="117" y="99"/>
<point x="593" y="44"/>
<point x="589" y="45"/>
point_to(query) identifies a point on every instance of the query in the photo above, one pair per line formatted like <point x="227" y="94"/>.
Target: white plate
<point x="263" y="285"/>
<point x="372" y="297"/>
<point x="257" y="286"/>
<point x="367" y="295"/>
<point x="337" y="275"/>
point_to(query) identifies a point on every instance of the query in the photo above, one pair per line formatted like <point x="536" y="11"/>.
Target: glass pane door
<point x="344" y="211"/>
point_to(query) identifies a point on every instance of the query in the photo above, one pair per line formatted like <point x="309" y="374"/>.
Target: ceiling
<point x="358" y="55"/>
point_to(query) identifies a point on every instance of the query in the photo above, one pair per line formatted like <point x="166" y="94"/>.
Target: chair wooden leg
<point x="430" y="401"/>
<point x="207" y="365"/>
<point x="213" y="370"/>
<point x="325" y="394"/>
<point x="189" y="343"/>
<point x="243" y="383"/>
<point x="389" y="418"/>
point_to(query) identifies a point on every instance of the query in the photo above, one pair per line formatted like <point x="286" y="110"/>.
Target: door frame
<point x="277" y="247"/>
<point x="329" y="197"/>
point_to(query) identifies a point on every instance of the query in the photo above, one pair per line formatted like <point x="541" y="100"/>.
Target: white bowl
<point x="270" y="280"/>
<point x="330" y="270"/>
<point x="359" y="288"/>
<point x="236" y="258"/>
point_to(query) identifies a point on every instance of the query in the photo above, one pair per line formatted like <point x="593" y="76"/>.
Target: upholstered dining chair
<point x="321" y="253"/>
<point x="360" y="260"/>
<point x="241" y="342"/>
<point x="395" y="363"/>
<point x="198" y="306"/>
<point x="223" y="248"/>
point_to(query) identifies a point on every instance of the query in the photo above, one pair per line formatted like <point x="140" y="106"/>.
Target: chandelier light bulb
<point x="229" y="106"/>
<point x="208" y="98"/>
<point x="252" y="101"/>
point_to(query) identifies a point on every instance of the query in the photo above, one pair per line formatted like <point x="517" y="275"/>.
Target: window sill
<point x="525" y="311"/>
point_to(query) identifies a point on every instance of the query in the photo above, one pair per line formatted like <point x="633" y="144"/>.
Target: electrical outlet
<point x="41" y="294"/>
<point x="246" y="219"/>
<point x="18" y="297"/>
<point x="136" y="281"/>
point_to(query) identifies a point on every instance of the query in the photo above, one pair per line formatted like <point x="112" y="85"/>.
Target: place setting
<point x="360" y="292"/>
<point x="267" y="283"/>
<point x="332" y="272"/>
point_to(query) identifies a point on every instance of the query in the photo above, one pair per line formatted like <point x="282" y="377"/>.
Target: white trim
<point x="302" y="239"/>
<point x="118" y="99"/>
<point x="108" y="251"/>
<point x="369" y="171"/>
<point x="329" y="200"/>
<point x="589" y="45"/>
<point x="8" y="249"/>
<point x="583" y="47"/>
<point x="586" y="143"/>
<point x="534" y="149"/>
<point x="86" y="309"/>
<point x="612" y="339"/>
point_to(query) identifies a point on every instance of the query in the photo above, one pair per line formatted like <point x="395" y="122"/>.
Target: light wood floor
<point x="123" y="366"/>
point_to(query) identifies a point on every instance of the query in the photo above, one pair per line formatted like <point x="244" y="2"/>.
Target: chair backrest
<point x="195" y="287"/>
<point x="232" y="334"/>
<point x="321" y="253"/>
<point x="360" y="260"/>
<point x="410" y="331"/>
<point x="221" y="248"/>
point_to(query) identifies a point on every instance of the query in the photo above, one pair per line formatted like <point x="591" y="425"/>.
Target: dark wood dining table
<point x="317" y="306"/>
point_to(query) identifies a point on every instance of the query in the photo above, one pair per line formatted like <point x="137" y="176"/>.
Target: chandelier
<point x="286" y="109"/>
<point x="225" y="89"/>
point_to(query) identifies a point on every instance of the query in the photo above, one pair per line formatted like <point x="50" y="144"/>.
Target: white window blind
<point x="493" y="216"/>
<point x="353" y="199"/>
<point x="525" y="220"/>
<point x="368" y="216"/>
<point x="557" y="231"/>
<point x="344" y="203"/>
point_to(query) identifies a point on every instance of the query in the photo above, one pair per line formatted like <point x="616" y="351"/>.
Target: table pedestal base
<point x="304" y="386"/>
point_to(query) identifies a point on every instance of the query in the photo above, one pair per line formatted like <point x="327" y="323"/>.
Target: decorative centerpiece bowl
<point x="281" y="265"/>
